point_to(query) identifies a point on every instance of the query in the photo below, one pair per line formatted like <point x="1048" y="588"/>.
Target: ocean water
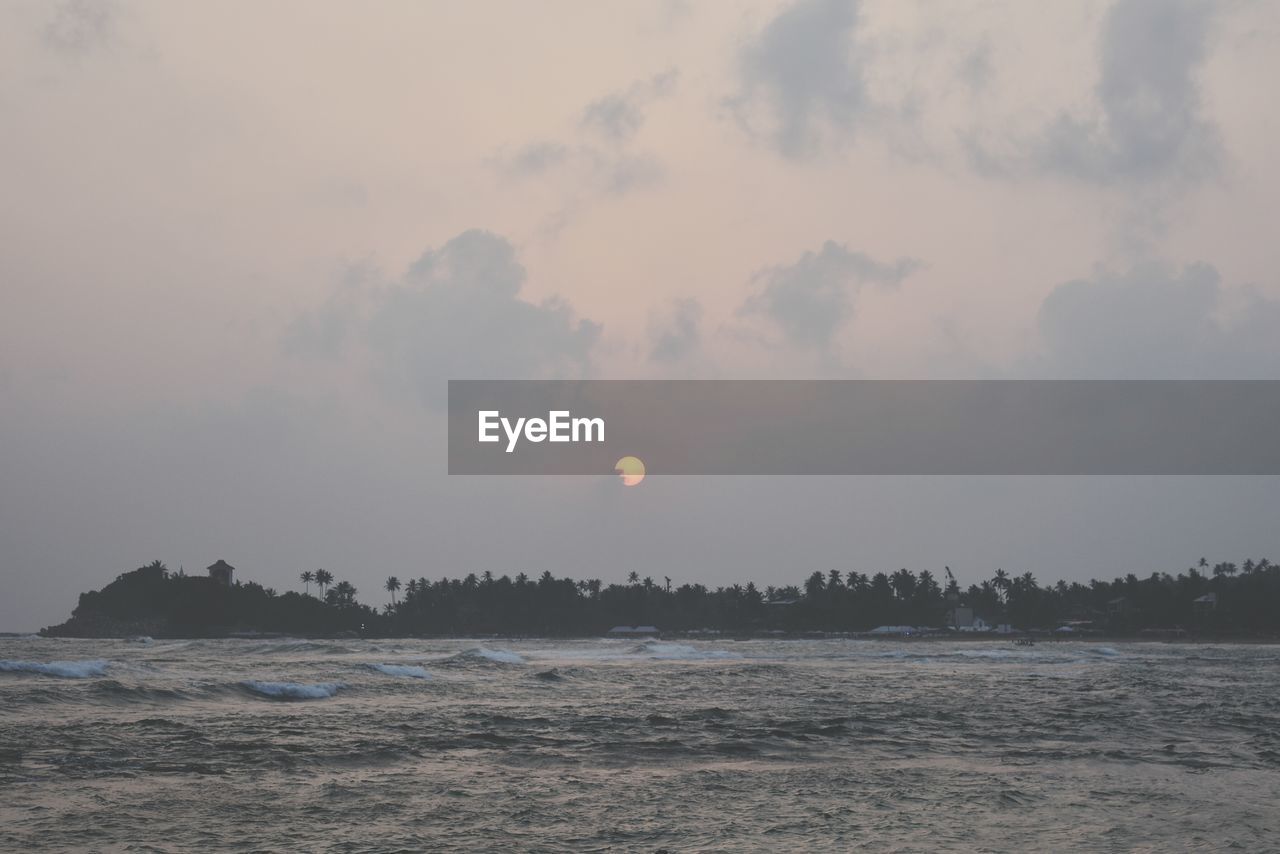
<point x="298" y="745"/>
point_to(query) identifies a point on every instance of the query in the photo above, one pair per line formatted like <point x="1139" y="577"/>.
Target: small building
<point x="960" y="617"/>
<point x="633" y="631"/>
<point x="903" y="631"/>
<point x="963" y="619"/>
<point x="1206" y="604"/>
<point x="221" y="573"/>
<point x="1118" y="606"/>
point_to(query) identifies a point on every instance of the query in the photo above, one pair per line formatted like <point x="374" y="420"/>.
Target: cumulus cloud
<point x="674" y="332"/>
<point x="457" y="313"/>
<point x="1157" y="322"/>
<point x="804" y="77"/>
<point x="811" y="299"/>
<point x="1148" y="123"/>
<point x="618" y="116"/>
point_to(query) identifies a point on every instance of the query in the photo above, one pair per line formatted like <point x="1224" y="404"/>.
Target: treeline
<point x="151" y="600"/>
<point x="1245" y="601"/>
<point x="1222" y="600"/>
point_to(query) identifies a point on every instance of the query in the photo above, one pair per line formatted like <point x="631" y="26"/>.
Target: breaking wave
<point x="63" y="669"/>
<point x="495" y="656"/>
<point x="411" y="671"/>
<point x="293" y="690"/>
<point x="678" y="652"/>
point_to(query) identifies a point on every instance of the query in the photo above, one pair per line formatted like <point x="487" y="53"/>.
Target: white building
<point x="633" y="631"/>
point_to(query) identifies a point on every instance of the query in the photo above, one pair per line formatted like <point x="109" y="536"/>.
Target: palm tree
<point x="307" y="577"/>
<point x="392" y="585"/>
<point x="815" y="584"/>
<point x="633" y="577"/>
<point x="1001" y="582"/>
<point x="323" y="579"/>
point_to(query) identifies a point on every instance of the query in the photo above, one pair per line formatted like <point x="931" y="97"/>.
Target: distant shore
<point x="730" y="637"/>
<point x="1227" y="604"/>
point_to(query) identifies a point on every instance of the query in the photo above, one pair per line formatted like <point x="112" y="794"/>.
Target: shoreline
<point x="685" y="636"/>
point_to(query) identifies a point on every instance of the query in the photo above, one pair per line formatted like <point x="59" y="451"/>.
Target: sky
<point x="245" y="245"/>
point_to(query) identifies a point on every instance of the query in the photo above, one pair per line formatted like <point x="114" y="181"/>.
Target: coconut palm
<point x="323" y="579"/>
<point x="392" y="585"/>
<point x="1001" y="582"/>
<point x="307" y="577"/>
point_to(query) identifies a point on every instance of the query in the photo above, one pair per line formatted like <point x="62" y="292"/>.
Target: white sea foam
<point x="411" y="671"/>
<point x="679" y="652"/>
<point x="64" y="669"/>
<point x="501" y="656"/>
<point x="1106" y="651"/>
<point x="483" y="654"/>
<point x="294" y="690"/>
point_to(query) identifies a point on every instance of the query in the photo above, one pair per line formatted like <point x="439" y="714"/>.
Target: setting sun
<point x="631" y="470"/>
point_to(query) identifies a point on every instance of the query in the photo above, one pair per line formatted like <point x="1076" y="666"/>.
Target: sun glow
<point x="631" y="470"/>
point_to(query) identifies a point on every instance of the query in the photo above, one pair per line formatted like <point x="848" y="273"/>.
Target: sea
<point x="625" y="745"/>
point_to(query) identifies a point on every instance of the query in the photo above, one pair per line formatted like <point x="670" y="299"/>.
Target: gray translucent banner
<point x="782" y="427"/>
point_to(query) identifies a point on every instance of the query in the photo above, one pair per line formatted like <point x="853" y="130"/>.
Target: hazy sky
<point x="245" y="244"/>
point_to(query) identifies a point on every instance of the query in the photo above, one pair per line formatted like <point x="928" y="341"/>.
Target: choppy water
<point x="614" y="745"/>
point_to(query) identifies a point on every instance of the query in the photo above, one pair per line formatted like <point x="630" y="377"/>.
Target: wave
<point x="678" y="652"/>
<point x="110" y="689"/>
<point x="293" y="690"/>
<point x="62" y="669"/>
<point x="484" y="654"/>
<point x="411" y="671"/>
<point x="296" y="645"/>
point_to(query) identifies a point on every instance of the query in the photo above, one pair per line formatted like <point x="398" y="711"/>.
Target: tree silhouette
<point x="307" y="577"/>
<point x="150" y="600"/>
<point x="323" y="579"/>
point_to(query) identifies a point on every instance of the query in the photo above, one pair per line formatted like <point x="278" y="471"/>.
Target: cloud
<point x="457" y="313"/>
<point x="1157" y="322"/>
<point x="804" y="74"/>
<point x="1149" y="123"/>
<point x="976" y="70"/>
<point x="674" y="332"/>
<point x="534" y="158"/>
<point x="811" y="299"/>
<point x="602" y="162"/>
<point x="80" y="26"/>
<point x="620" y="175"/>
<point x="618" y="116"/>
